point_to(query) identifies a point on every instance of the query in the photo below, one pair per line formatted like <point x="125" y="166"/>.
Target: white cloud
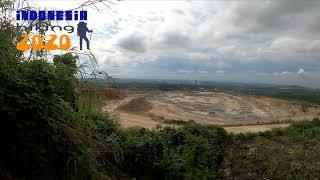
<point x="284" y="73"/>
<point x="227" y="49"/>
<point x="199" y="56"/>
<point x="185" y="71"/>
<point x="240" y="36"/>
<point x="133" y="42"/>
<point x="203" y="72"/>
<point x="220" y="72"/>
<point x="293" y="45"/>
<point x="302" y="74"/>
<point x="300" y="71"/>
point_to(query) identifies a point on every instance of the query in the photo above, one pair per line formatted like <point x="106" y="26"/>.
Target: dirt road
<point x="254" y="128"/>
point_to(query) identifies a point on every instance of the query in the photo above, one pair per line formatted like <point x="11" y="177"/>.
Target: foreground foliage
<point x="48" y="132"/>
<point x="291" y="153"/>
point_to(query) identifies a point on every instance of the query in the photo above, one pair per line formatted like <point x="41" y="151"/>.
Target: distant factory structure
<point x="196" y="82"/>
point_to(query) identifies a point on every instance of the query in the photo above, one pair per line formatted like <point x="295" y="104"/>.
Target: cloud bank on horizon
<point x="275" y="41"/>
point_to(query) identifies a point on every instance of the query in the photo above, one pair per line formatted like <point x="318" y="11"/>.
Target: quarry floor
<point x="237" y="113"/>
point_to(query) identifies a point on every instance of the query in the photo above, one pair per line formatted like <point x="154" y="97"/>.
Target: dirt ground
<point x="254" y="128"/>
<point x="153" y="107"/>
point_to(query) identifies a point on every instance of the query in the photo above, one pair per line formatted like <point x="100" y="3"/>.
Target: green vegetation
<point x="192" y="151"/>
<point x="48" y="132"/>
<point x="42" y="133"/>
<point x="291" y="153"/>
<point x="45" y="132"/>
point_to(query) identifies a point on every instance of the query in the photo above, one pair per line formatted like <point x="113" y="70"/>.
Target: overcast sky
<point x="227" y="40"/>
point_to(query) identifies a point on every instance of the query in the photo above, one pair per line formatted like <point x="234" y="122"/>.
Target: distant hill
<point x="290" y="92"/>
